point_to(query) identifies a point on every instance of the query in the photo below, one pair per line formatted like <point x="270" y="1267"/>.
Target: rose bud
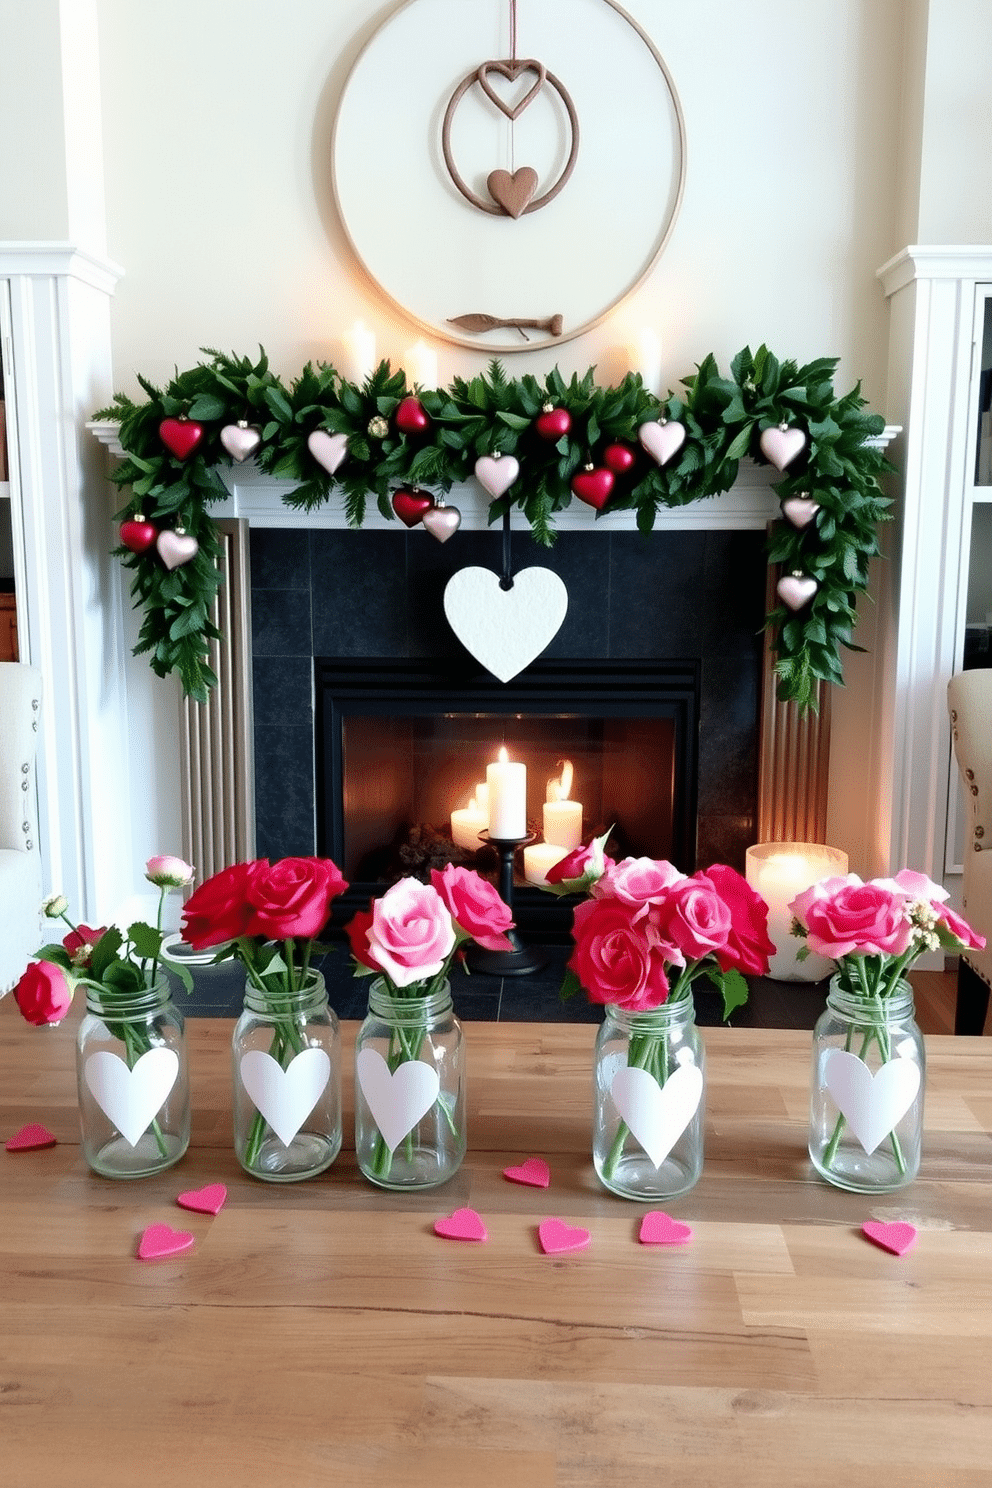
<point x="169" y="873"/>
<point x="55" y="906"/>
<point x="44" y="993"/>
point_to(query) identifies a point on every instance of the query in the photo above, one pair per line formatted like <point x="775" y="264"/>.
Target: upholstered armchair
<point x="20" y="859"/>
<point x="969" y="699"/>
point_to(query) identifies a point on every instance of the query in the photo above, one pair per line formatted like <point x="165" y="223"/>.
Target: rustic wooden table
<point x="321" y="1333"/>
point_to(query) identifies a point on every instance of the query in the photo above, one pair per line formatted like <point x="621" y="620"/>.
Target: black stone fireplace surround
<point x="684" y="595"/>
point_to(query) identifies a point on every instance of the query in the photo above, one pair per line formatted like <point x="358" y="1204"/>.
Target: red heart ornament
<point x="161" y="1240"/>
<point x="618" y="458"/>
<point x="553" y="423"/>
<point x="410" y="416"/>
<point x="896" y="1237"/>
<point x="410" y="506"/>
<point x="181" y="436"/>
<point x="658" y="1228"/>
<point x="558" y="1238"/>
<point x="30" y="1138"/>
<point x="593" y="486"/>
<point x="138" y="535"/>
<point x="208" y="1200"/>
<point x="535" y="1173"/>
<point x="464" y="1224"/>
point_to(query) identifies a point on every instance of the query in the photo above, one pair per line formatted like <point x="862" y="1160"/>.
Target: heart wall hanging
<point x="505" y="629"/>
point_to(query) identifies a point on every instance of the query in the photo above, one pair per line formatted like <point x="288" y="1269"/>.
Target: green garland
<point x="723" y="418"/>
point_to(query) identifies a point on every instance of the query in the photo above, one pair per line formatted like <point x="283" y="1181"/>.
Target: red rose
<point x="356" y="931"/>
<point x="693" y="917"/>
<point x="585" y="864"/>
<point x="43" y="994"/>
<point x="218" y="910"/>
<point x="80" y="942"/>
<point x="475" y="906"/>
<point x="748" y="946"/>
<point x="291" y="898"/>
<point x="616" y="958"/>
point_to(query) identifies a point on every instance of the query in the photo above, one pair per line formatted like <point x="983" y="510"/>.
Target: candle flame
<point x="559" y="789"/>
<point x="502" y="754"/>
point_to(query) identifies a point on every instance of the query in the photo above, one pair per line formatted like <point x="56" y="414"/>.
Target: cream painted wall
<point x="955" y="203"/>
<point x="33" y="199"/>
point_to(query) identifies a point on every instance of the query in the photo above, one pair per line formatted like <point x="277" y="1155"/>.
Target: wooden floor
<point x="934" y="993"/>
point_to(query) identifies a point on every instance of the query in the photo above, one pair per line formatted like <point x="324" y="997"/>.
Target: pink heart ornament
<point x="496" y="475"/>
<point x="441" y="521"/>
<point x="239" y="440"/>
<point x="535" y="1173"/>
<point x="658" y="1228"/>
<point x="800" y="510"/>
<point x="161" y="1240"/>
<point x="30" y="1138"/>
<point x="328" y="449"/>
<point x="795" y="590"/>
<point x="464" y="1224"/>
<point x="176" y="548"/>
<point x="782" y="446"/>
<point x="896" y="1237"/>
<point x="208" y="1200"/>
<point x="662" y="441"/>
<point x="558" y="1238"/>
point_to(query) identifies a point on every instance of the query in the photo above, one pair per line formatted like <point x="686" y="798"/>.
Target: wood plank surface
<point x="321" y="1333"/>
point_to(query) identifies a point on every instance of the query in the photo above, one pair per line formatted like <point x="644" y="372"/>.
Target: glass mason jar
<point x="409" y="1089"/>
<point x="649" y="1093"/>
<point x="133" y="1080"/>
<point x="286" y="1069"/>
<point x="867" y="1087"/>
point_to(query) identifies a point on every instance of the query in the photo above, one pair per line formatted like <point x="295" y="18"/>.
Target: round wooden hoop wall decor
<point x="460" y="181"/>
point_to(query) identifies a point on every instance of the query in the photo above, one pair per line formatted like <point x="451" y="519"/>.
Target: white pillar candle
<point x="420" y="365"/>
<point x="562" y="817"/>
<point x="646" y="359"/>
<point x="778" y="871"/>
<point x="539" y="858"/>
<point x="468" y="821"/>
<point x="359" y="352"/>
<point x="507" y="782"/>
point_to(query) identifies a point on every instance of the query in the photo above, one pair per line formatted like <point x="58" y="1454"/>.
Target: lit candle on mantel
<point x="359" y="352"/>
<point x="646" y="359"/>
<point x="507" y="782"/>
<point x="778" y="871"/>
<point x="420" y="365"/>
<point x="562" y="817"/>
<point x="539" y="858"/>
<point x="468" y="821"/>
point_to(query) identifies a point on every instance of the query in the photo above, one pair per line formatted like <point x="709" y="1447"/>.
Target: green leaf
<point x="147" y="941"/>
<point x="105" y="952"/>
<point x="570" y="985"/>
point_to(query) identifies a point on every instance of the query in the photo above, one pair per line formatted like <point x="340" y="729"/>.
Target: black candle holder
<point x="522" y="960"/>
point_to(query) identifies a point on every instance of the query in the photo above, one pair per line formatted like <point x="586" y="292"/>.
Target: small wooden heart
<point x="511" y="71"/>
<point x="513" y="193"/>
<point x="796" y="590"/>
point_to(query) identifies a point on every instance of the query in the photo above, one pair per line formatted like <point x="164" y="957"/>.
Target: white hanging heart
<point x="505" y="629"/>
<point x="328" y="449"/>
<point x="285" y="1097"/>
<point x="796" y="590"/>
<point x="657" y="1114"/>
<point x="176" y="548"/>
<point x="496" y="476"/>
<point x="800" y="510"/>
<point x="782" y="446"/>
<point x="872" y="1104"/>
<point x="662" y="441"/>
<point x="239" y="442"/>
<point x="397" y="1100"/>
<point x="131" y="1098"/>
<point x="441" y="521"/>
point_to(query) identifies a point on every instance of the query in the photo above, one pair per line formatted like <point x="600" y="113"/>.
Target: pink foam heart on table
<point x="896" y="1237"/>
<point x="208" y="1200"/>
<point x="161" y="1240"/>
<point x="658" y="1228"/>
<point x="534" y="1172"/>
<point x="558" y="1238"/>
<point x="464" y="1224"/>
<point x="30" y="1138"/>
<point x="800" y="510"/>
<point x="328" y="449"/>
<point x="782" y="446"/>
<point x="661" y="440"/>
<point x="796" y="590"/>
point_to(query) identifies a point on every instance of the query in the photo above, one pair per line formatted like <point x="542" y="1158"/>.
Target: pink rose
<point x="617" y="958"/>
<point x="43" y="993"/>
<point x="915" y="886"/>
<point x="693" y="917"/>
<point x="637" y="881"/>
<point x="80" y="942"/>
<point x="475" y="906"/>
<point x="168" y="873"/>
<point x="951" y="922"/>
<point x="748" y="946"/>
<point x="291" y="898"/>
<point x="844" y="917"/>
<point x="218" y="910"/>
<point x="411" y="935"/>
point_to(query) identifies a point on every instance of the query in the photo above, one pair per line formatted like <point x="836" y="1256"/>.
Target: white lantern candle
<point x="539" y="858"/>
<point x="507" y="782"/>
<point x="646" y="359"/>
<point x="420" y="365"/>
<point x="468" y="822"/>
<point x="562" y="817"/>
<point x="359" y="352"/>
<point x="778" y="871"/>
